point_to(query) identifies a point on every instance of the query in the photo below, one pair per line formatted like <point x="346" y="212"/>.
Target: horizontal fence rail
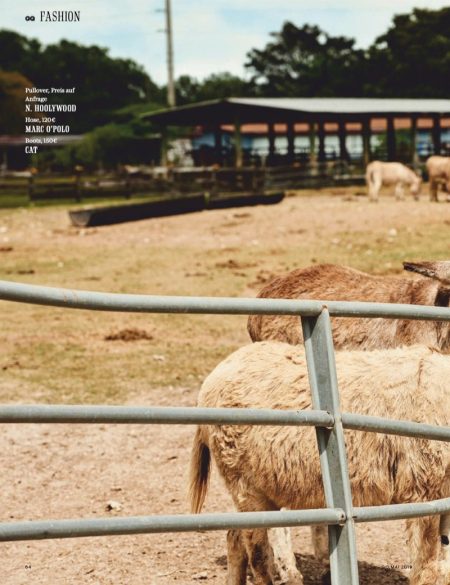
<point x="50" y="529"/>
<point x="162" y="415"/>
<point x="47" y="529"/>
<point x="99" y="301"/>
<point x="375" y="424"/>
<point x="401" y="511"/>
<point x="80" y="414"/>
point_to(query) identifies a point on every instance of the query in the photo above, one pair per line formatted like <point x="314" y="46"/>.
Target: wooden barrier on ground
<point x="168" y="206"/>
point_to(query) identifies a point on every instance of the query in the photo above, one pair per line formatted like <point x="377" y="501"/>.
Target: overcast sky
<point x="209" y="35"/>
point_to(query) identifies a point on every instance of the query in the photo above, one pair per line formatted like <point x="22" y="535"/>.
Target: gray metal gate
<point x="340" y="515"/>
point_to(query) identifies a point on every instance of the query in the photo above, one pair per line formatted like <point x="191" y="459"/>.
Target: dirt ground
<point x="48" y="355"/>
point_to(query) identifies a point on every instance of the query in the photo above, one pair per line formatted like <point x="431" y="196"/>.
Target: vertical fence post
<point x="78" y="186"/>
<point x="31" y="187"/>
<point x="333" y="460"/>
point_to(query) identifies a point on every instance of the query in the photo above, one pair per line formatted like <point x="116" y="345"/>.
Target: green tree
<point x="12" y="94"/>
<point x="412" y="59"/>
<point x="187" y="90"/>
<point x="18" y="53"/>
<point x="216" y="86"/>
<point x="224" y="85"/>
<point x="102" y="84"/>
<point x="307" y="61"/>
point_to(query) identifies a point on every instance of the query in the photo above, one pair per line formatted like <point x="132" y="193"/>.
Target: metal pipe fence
<point x="340" y="515"/>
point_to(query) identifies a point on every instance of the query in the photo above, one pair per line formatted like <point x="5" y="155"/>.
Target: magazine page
<point x="221" y="225"/>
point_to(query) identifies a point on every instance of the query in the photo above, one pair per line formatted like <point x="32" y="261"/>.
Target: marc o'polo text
<point x="40" y="129"/>
<point x="60" y="15"/>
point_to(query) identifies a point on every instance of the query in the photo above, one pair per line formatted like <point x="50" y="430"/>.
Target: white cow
<point x="438" y="168"/>
<point x="379" y="174"/>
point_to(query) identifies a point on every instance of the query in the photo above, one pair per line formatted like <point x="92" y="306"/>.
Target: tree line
<point x="410" y="60"/>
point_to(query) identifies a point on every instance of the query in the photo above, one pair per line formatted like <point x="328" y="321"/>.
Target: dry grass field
<point x="70" y="356"/>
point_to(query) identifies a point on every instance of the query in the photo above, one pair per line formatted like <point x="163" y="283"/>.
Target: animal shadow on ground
<point x="314" y="572"/>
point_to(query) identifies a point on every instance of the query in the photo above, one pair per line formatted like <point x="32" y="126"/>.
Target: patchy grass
<point x="55" y="355"/>
<point x="10" y="199"/>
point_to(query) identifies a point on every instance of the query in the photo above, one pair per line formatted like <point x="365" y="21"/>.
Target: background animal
<point x="391" y="174"/>
<point x="332" y="282"/>
<point x="438" y="168"/>
<point x="268" y="468"/>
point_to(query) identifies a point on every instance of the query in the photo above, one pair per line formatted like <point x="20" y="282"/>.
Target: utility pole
<point x="170" y="81"/>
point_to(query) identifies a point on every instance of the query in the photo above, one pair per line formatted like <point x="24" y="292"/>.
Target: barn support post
<point x="4" y="164"/>
<point x="436" y="134"/>
<point x="237" y="144"/>
<point x="342" y="134"/>
<point x="365" y="126"/>
<point x="218" y="145"/>
<point x="312" y="143"/>
<point x="164" y="147"/>
<point x="271" y="136"/>
<point x="413" y="141"/>
<point x="291" y="142"/>
<point x="321" y="134"/>
<point x="391" y="146"/>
